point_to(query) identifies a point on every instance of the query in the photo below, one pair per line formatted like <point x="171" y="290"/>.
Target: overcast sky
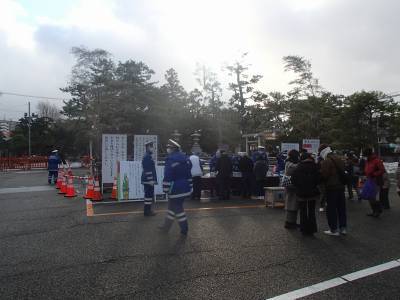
<point x="352" y="44"/>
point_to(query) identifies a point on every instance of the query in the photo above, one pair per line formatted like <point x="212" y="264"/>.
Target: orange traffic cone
<point x="59" y="179"/>
<point x="70" y="188"/>
<point x="63" y="188"/>
<point x="114" y="192"/>
<point x="89" y="189"/>
<point x="97" y="194"/>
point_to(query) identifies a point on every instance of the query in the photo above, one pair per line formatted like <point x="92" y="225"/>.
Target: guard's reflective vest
<point x="177" y="181"/>
<point x="53" y="162"/>
<point x="149" y="175"/>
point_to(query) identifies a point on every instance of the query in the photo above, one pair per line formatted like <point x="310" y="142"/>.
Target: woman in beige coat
<point x="291" y="205"/>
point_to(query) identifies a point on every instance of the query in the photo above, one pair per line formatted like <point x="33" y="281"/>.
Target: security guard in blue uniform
<point x="52" y="166"/>
<point x="177" y="184"/>
<point x="149" y="179"/>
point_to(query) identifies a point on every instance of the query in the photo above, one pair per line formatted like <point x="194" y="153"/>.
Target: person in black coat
<point x="246" y="168"/>
<point x="224" y="174"/>
<point x="305" y="179"/>
<point x="260" y="173"/>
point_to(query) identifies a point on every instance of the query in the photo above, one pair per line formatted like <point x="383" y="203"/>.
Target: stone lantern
<point x="196" y="138"/>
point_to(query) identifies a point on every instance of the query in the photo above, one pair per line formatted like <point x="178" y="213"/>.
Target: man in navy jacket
<point x="149" y="179"/>
<point x="52" y="166"/>
<point x="177" y="184"/>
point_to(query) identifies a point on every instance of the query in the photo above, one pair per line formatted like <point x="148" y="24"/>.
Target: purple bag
<point x="369" y="190"/>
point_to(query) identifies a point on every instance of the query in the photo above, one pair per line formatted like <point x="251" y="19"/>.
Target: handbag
<point x="286" y="181"/>
<point x="369" y="190"/>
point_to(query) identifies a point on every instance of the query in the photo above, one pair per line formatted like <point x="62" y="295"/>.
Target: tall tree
<point x="211" y="91"/>
<point x="269" y="112"/>
<point x="365" y="117"/>
<point x="313" y="117"/>
<point x="243" y="87"/>
<point x="305" y="84"/>
<point x="90" y="89"/>
<point x="210" y="88"/>
<point x="45" y="109"/>
<point x="42" y="137"/>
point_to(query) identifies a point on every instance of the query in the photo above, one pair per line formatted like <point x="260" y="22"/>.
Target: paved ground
<point x="49" y="248"/>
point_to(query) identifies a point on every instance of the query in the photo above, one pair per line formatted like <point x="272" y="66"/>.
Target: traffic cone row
<point x="65" y="185"/>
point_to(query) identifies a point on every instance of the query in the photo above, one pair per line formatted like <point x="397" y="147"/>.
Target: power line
<point x="31" y="96"/>
<point x="14" y="111"/>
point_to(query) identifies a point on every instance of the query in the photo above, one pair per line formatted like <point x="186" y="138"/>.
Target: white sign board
<point x="289" y="146"/>
<point x="311" y="145"/>
<point x="129" y="186"/>
<point x="113" y="150"/>
<point x="139" y="149"/>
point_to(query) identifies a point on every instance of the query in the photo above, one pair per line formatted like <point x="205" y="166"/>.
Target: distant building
<point x="253" y="140"/>
<point x="6" y="127"/>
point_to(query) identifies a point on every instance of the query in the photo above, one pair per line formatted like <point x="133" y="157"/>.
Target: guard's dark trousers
<point x="51" y="175"/>
<point x="176" y="211"/>
<point x="148" y="198"/>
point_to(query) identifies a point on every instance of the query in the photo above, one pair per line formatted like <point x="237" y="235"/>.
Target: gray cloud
<point x="353" y="45"/>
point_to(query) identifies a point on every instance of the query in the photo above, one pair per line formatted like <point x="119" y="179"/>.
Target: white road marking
<point x="27" y="189"/>
<point x="322" y="286"/>
<point x="371" y="271"/>
<point x="316" y="288"/>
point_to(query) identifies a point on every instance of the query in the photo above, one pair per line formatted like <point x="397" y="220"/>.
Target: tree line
<point x="108" y="96"/>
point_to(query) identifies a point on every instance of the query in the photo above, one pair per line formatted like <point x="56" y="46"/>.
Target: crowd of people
<point x="252" y="170"/>
<point x="309" y="181"/>
<point x="325" y="180"/>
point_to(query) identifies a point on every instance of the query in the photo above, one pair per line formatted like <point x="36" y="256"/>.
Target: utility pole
<point x="29" y="128"/>
<point x="377" y="135"/>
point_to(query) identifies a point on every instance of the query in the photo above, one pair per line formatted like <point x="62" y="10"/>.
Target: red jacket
<point x="374" y="167"/>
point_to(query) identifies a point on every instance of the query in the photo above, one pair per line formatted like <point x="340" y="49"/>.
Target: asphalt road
<point x="49" y="248"/>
